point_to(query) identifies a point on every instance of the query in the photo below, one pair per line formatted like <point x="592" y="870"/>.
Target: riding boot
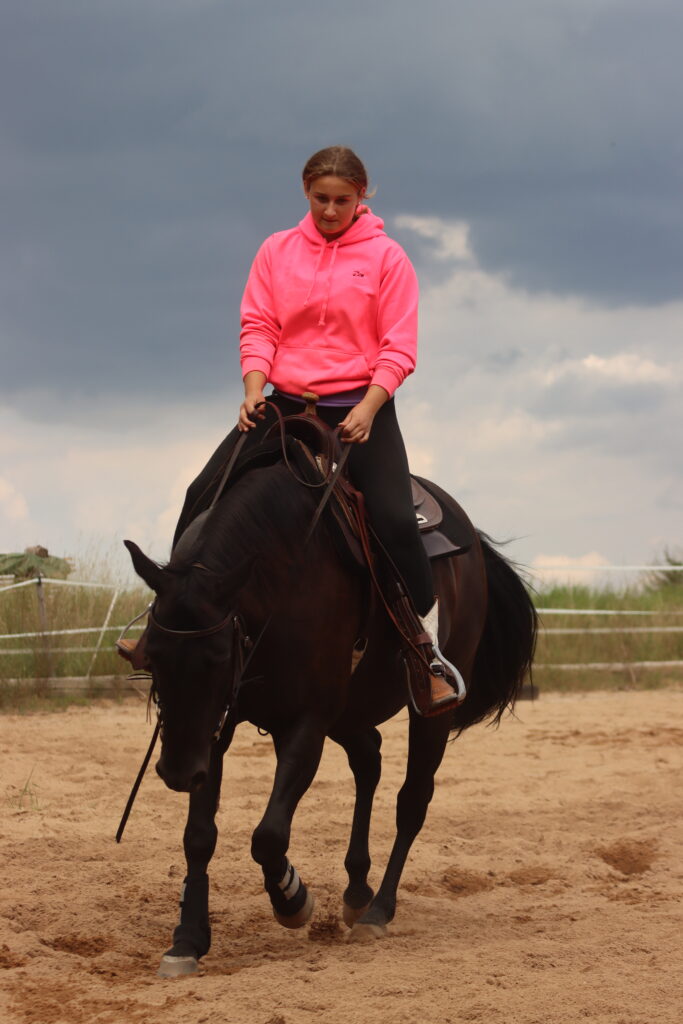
<point x="430" y="681"/>
<point x="451" y="690"/>
<point x="135" y="651"/>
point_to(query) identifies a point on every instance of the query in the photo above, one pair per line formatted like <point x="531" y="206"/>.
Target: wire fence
<point x="105" y="633"/>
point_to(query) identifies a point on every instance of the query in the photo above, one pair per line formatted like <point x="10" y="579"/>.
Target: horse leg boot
<point x="192" y="936"/>
<point x="426" y="745"/>
<point x="363" y="751"/>
<point x="298" y="752"/>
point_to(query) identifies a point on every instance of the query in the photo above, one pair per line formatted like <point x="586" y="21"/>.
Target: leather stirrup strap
<point x="415" y="643"/>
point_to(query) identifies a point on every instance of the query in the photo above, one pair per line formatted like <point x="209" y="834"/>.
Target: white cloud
<point x="451" y="238"/>
<point x="553" y="421"/>
<point x="12" y="504"/>
<point x="619" y="369"/>
<point x="509" y="411"/>
<point x="580" y="570"/>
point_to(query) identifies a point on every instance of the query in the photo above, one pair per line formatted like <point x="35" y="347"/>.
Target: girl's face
<point x="333" y="203"/>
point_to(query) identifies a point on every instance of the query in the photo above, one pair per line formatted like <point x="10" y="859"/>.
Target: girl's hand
<point x="357" y="425"/>
<point x="248" y="409"/>
<point x="254" y="383"/>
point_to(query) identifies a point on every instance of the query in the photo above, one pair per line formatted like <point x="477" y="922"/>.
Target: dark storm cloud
<point x="148" y="147"/>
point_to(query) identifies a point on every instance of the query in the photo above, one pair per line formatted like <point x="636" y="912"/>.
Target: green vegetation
<point x="24" y="798"/>
<point x="29" y="672"/>
<point x="26" y="672"/>
<point x="622" y="639"/>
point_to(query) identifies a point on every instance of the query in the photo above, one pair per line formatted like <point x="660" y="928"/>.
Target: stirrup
<point x="440" y="665"/>
<point x="430" y="686"/>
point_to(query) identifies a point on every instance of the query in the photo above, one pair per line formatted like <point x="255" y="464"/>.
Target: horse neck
<point x="261" y="522"/>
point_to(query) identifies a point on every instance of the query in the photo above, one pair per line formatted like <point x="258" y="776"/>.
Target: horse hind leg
<point x="192" y="935"/>
<point x="298" y="756"/>
<point x="427" y="742"/>
<point x="365" y="760"/>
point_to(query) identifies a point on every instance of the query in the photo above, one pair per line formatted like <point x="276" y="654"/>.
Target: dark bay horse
<point x="247" y="565"/>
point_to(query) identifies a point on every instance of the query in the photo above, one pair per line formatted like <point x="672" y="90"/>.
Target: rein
<point x="242" y="641"/>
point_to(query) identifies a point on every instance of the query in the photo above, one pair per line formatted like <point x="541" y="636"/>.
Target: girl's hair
<point x="340" y="161"/>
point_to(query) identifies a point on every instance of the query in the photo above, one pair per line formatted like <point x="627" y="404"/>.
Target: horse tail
<point x="506" y="649"/>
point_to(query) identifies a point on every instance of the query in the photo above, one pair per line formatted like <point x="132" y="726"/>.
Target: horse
<point x="246" y="602"/>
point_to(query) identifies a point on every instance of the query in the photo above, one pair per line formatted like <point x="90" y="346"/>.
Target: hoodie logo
<point x="358" y="273"/>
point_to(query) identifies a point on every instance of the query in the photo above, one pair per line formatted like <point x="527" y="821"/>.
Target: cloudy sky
<point x="528" y="156"/>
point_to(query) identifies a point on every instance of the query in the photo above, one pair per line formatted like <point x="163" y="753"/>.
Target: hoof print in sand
<point x="460" y="882"/>
<point x="326" y="929"/>
<point x="629" y="856"/>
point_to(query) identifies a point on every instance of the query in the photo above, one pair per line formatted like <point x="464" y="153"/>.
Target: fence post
<point x="48" y="664"/>
<point x="102" y="632"/>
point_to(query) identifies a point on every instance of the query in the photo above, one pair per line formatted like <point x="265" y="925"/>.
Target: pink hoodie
<point x="330" y="316"/>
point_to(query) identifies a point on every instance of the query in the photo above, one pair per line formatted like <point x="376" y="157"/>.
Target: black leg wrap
<point x="288" y="893"/>
<point x="192" y="936"/>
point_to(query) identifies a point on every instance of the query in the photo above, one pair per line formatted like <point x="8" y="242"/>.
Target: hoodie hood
<point x="368" y="225"/>
<point x="365" y="227"/>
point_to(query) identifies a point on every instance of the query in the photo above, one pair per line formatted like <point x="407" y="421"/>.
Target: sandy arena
<point x="545" y="888"/>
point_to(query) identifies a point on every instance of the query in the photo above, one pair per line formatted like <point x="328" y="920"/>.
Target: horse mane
<point x="262" y="516"/>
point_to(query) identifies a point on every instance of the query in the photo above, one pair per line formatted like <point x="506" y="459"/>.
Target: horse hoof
<point x="367" y="932"/>
<point x="301" y="917"/>
<point x="177" y="966"/>
<point x="351" y="915"/>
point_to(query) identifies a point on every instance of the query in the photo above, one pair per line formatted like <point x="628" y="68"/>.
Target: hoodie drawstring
<point x="323" y="311"/>
<point x="315" y="274"/>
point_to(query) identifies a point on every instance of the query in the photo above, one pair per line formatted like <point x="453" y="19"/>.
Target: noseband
<point x="191" y="634"/>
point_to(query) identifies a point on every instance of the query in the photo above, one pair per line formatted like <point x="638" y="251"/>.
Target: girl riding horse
<point x="330" y="306"/>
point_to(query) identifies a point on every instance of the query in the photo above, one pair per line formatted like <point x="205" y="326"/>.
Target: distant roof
<point x="26" y="566"/>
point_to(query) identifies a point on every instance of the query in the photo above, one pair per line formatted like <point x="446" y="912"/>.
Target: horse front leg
<point x="426" y="746"/>
<point x="192" y="935"/>
<point x="298" y="753"/>
<point x="365" y="761"/>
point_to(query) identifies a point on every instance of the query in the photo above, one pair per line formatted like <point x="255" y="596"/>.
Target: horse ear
<point x="149" y="571"/>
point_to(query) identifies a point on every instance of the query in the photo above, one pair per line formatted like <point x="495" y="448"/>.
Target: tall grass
<point x="25" y="673"/>
<point x="623" y="638"/>
<point x="31" y="662"/>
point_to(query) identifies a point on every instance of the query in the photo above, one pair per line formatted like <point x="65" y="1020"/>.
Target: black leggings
<point x="378" y="468"/>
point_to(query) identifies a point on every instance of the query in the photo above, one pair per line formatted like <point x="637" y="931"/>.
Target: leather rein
<point x="241" y="641"/>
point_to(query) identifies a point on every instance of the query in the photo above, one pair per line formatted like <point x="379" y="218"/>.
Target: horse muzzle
<point x="184" y="778"/>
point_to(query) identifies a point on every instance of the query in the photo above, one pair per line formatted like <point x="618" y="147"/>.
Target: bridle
<point x="241" y="642"/>
<point x="191" y="634"/>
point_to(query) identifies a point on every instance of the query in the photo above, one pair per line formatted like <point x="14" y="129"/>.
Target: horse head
<point x="191" y="649"/>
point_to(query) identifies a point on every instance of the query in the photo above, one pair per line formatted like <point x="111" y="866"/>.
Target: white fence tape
<point x="612" y="666"/>
<point x="66" y="632"/>
<point x="579" y="666"/>
<point x="60" y="583"/>
<point x="613" y="629"/>
<point x="53" y="650"/>
<point x="604" y="568"/>
<point x="602" y="611"/>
